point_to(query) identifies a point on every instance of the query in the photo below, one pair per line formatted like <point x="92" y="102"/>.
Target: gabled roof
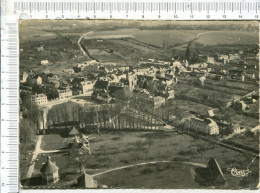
<point x="49" y="167"/>
<point x="74" y="131"/>
<point x="101" y="84"/>
<point x="215" y="169"/>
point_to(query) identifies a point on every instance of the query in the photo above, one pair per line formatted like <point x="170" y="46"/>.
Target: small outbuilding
<point x="50" y="172"/>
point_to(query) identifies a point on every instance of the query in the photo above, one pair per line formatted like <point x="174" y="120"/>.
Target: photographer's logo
<point x="238" y="173"/>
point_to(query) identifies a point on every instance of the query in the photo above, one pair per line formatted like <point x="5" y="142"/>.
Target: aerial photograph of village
<point x="139" y="104"/>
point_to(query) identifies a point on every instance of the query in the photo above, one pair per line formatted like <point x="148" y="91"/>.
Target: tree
<point x="188" y="54"/>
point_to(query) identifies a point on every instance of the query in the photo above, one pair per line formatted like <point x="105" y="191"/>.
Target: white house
<point x="44" y="62"/>
<point x="39" y="80"/>
<point x="86" y="86"/>
<point x="39" y="99"/>
<point x="64" y="93"/>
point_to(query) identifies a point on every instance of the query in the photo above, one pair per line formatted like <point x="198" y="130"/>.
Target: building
<point x="44" y="62"/>
<point x="234" y="57"/>
<point x="24" y="77"/>
<point x="41" y="48"/>
<point x="170" y="94"/>
<point x="50" y="172"/>
<point x="207" y="126"/>
<point x="86" y="181"/>
<point x="210" y="60"/>
<point x="216" y="173"/>
<point x="64" y="93"/>
<point x="39" y="80"/>
<point x="100" y="86"/>
<point x="86" y="86"/>
<point x="73" y="132"/>
<point x="250" y="75"/>
<point x="100" y="91"/>
<point x="157" y="101"/>
<point x="39" y="99"/>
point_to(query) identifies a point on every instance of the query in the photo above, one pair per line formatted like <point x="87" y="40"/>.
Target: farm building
<point x="50" y="172"/>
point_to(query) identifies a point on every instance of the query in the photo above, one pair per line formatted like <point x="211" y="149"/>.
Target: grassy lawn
<point x="125" y="148"/>
<point x="160" y="175"/>
<point x="54" y="142"/>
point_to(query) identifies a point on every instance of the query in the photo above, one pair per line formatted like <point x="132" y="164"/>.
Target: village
<point x="96" y="118"/>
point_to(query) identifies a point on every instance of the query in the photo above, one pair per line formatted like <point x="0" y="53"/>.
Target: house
<point x="24" y="77"/>
<point x="50" y="172"/>
<point x="44" y="62"/>
<point x="210" y="60"/>
<point x="39" y="99"/>
<point x="170" y="94"/>
<point x="217" y="175"/>
<point x="86" y="181"/>
<point x="64" y="93"/>
<point x="69" y="71"/>
<point x="86" y="86"/>
<point x="115" y="86"/>
<point x="238" y="105"/>
<point x="157" y="101"/>
<point x="39" y="80"/>
<point x="207" y="125"/>
<point x="40" y="48"/>
<point x="73" y="132"/>
<point x="234" y="57"/>
<point x="100" y="91"/>
<point x="202" y="80"/>
<point x="100" y="86"/>
<point x="250" y="75"/>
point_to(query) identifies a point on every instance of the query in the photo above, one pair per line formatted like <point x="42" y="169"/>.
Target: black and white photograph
<point x="128" y="104"/>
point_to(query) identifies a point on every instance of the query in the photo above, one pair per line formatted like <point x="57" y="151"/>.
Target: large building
<point x="64" y="93"/>
<point x="39" y="99"/>
<point x="207" y="126"/>
<point x="86" y="86"/>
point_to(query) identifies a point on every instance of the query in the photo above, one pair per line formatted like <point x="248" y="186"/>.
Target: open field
<point x="154" y="37"/>
<point x="160" y="175"/>
<point x="228" y="37"/>
<point x="112" y="149"/>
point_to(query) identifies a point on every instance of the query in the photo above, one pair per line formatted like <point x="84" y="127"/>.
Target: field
<point x="227" y="37"/>
<point x="112" y="149"/>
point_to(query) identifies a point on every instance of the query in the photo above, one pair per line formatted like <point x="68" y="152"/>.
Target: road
<point x="146" y="163"/>
<point x="79" y="44"/>
<point x="35" y="154"/>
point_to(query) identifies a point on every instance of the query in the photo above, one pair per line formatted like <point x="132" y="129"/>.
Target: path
<point x="79" y="40"/>
<point x="35" y="154"/>
<point x="145" y="163"/>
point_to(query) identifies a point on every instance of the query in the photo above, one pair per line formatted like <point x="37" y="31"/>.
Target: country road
<point x="79" y="43"/>
<point x="35" y="154"/>
<point x="146" y="163"/>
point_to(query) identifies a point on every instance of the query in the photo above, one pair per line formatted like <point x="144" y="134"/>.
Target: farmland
<point x="227" y="37"/>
